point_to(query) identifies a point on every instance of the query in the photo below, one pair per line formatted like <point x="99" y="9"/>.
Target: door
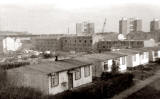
<point x="70" y="80"/>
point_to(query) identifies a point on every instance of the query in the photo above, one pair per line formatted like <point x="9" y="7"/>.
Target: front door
<point x="70" y="80"/>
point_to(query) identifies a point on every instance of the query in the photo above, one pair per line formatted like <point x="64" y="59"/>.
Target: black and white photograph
<point x="79" y="49"/>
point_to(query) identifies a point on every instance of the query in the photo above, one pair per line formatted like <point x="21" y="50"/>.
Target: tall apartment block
<point x="84" y="29"/>
<point x="137" y="25"/>
<point x="123" y="26"/>
<point x="129" y="25"/>
<point x="154" y="25"/>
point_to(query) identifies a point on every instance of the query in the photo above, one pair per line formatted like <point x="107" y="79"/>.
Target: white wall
<point x="129" y="61"/>
<point x="109" y="62"/>
<point x="158" y="53"/>
<point x="11" y="44"/>
<point x="63" y="77"/>
<point x="83" y="79"/>
<point x="149" y="43"/>
<point x="144" y="58"/>
<point x="152" y="56"/>
<point x="123" y="67"/>
<point x="137" y="62"/>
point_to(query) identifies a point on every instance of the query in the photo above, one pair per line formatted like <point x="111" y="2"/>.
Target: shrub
<point x="45" y="55"/>
<point x="13" y="65"/>
<point x="115" y="67"/>
<point x="20" y="93"/>
<point x="109" y="75"/>
<point x="33" y="56"/>
<point x="158" y="60"/>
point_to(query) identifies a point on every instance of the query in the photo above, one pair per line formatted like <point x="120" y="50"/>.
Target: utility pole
<point x="68" y="30"/>
<point x="104" y="24"/>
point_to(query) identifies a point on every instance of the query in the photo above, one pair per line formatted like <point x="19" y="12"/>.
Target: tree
<point x="115" y="67"/>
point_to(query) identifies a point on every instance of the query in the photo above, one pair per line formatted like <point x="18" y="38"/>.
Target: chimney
<point x="56" y="58"/>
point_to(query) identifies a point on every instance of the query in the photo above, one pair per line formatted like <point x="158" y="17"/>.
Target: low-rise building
<point x="52" y="78"/>
<point x="76" y="43"/>
<point x="102" y="62"/>
<point x="108" y="45"/>
<point x="133" y="58"/>
<point x="153" y="53"/>
<point x="46" y="44"/>
<point x="144" y="55"/>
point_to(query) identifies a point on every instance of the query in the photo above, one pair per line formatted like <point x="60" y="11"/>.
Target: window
<point x="87" y="71"/>
<point x="123" y="60"/>
<point x="78" y="74"/>
<point x="54" y="80"/>
<point x="105" y="66"/>
<point x="79" y="40"/>
<point x="90" y="41"/>
<point x="85" y="41"/>
<point x="155" y="53"/>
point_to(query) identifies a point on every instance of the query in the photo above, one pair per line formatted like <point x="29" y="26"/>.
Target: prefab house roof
<point x="152" y="48"/>
<point x="57" y="66"/>
<point x="140" y="49"/>
<point x="86" y="59"/>
<point x="101" y="56"/>
<point x="125" y="52"/>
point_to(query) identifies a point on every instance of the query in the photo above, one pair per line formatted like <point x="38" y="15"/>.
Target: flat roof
<point x="139" y="49"/>
<point x="122" y="53"/>
<point x="56" y="66"/>
<point x="99" y="56"/>
<point x="152" y="48"/>
<point x="125" y="52"/>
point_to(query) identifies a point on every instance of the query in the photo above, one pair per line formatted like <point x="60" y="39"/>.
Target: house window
<point x="87" y="71"/>
<point x="105" y="66"/>
<point x="78" y="74"/>
<point x="156" y="54"/>
<point x="123" y="60"/>
<point x="54" y="80"/>
<point x="90" y="41"/>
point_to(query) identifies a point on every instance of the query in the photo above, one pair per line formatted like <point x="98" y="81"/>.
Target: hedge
<point x="13" y="65"/>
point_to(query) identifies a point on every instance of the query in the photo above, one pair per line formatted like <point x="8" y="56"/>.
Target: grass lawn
<point x="148" y="70"/>
<point x="151" y="91"/>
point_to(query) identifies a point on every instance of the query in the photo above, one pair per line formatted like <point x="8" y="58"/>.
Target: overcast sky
<point x="56" y="16"/>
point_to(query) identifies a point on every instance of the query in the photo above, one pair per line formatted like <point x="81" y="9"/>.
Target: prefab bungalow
<point x="132" y="57"/>
<point x="54" y="77"/>
<point x="144" y="55"/>
<point x="102" y="62"/>
<point x="158" y="51"/>
<point x="153" y="53"/>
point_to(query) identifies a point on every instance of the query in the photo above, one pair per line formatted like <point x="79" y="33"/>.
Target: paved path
<point x="138" y="86"/>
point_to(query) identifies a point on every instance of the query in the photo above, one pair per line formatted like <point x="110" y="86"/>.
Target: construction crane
<point x="104" y="24"/>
